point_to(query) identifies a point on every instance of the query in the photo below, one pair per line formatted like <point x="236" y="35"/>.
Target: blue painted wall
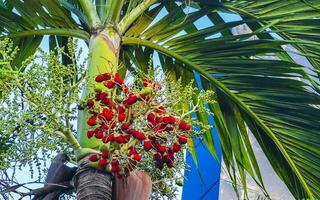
<point x="203" y="183"/>
<point x="203" y="186"/>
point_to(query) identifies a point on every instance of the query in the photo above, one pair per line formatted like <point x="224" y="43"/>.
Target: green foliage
<point x="38" y="105"/>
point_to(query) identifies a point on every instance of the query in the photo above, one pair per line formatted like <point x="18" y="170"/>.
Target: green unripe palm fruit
<point x="97" y="88"/>
<point x="146" y="91"/>
<point x="179" y="182"/>
<point x="118" y="99"/>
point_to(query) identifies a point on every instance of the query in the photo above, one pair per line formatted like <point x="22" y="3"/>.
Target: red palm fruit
<point x="151" y="117"/>
<point x="92" y="121"/>
<point x="126" y="138"/>
<point x="153" y="123"/>
<point x="105" y="101"/>
<point x="93" y="113"/>
<point x="141" y="97"/>
<point x="163" y="126"/>
<point x="155" y="144"/>
<point x="176" y="147"/>
<point x="106" y="76"/>
<point x="171" y="156"/>
<point x="121" y="117"/>
<point x="136" y="156"/>
<point x="121" y="109"/>
<point x="131" y="150"/>
<point x="171" y="120"/>
<point x="98" y="135"/>
<point x="157" y="130"/>
<point x="103" y="164"/>
<point x="157" y="156"/>
<point x="169" y="128"/>
<point x="103" y="95"/>
<point x="114" y="162"/>
<point x="115" y="168"/>
<point x="97" y="96"/>
<point x="146" y="82"/>
<point x="118" y="79"/>
<point x="107" y="114"/>
<point x="113" y="124"/>
<point x="147" y="145"/>
<point x="161" y="110"/>
<point x="104" y="154"/>
<point x="165" y="120"/>
<point x="100" y="116"/>
<point x="170" y="164"/>
<point x="119" y="139"/>
<point x="90" y="133"/>
<point x="140" y="136"/>
<point x="90" y="103"/>
<point x="132" y="99"/>
<point x="99" y="78"/>
<point x="187" y="127"/>
<point x="104" y="126"/>
<point x="126" y="90"/>
<point x="105" y="139"/>
<point x="124" y="126"/>
<point x="161" y="149"/>
<point x="110" y="84"/>
<point x="102" y="77"/>
<point x="112" y="137"/>
<point x="182" y="139"/>
<point x="93" y="157"/>
<point x="182" y="124"/>
<point x="159" y="119"/>
<point x="166" y="158"/>
<point x="147" y="99"/>
<point x="132" y="131"/>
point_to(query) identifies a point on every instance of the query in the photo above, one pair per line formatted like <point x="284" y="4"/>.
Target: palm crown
<point x="258" y="86"/>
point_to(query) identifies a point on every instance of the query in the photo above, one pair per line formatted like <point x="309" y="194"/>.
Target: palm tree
<point x="259" y="87"/>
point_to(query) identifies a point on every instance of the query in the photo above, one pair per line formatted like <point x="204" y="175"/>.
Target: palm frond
<point x="28" y="21"/>
<point x="257" y="82"/>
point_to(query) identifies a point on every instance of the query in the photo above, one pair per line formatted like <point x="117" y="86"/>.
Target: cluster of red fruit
<point x="159" y="135"/>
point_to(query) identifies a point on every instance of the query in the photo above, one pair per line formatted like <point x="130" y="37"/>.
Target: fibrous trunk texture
<point x="93" y="184"/>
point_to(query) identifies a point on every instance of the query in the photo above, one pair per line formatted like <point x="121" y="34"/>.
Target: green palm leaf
<point x="274" y="98"/>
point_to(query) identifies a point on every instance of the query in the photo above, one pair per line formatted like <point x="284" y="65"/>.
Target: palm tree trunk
<point x="90" y="183"/>
<point x="93" y="184"/>
<point x="103" y="57"/>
